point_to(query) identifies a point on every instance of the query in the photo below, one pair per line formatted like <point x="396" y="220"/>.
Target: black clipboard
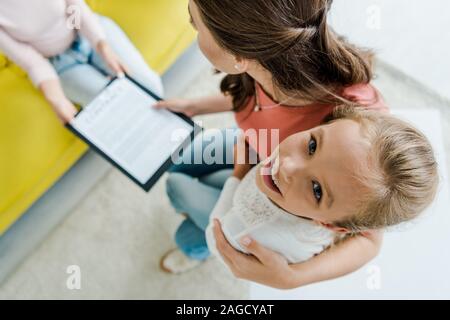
<point x="147" y="186"/>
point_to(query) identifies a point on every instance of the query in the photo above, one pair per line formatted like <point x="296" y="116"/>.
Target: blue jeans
<point x="194" y="190"/>
<point x="83" y="73"/>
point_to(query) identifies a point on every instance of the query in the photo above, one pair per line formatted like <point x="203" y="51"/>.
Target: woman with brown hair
<point x="286" y="71"/>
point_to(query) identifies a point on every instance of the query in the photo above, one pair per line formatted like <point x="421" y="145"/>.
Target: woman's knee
<point x="177" y="188"/>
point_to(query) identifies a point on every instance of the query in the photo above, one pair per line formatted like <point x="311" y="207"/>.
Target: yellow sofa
<point x="35" y="149"/>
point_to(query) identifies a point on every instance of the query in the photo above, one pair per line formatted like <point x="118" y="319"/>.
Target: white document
<point x="122" y="125"/>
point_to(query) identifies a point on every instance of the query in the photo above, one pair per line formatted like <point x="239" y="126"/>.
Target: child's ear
<point x="334" y="228"/>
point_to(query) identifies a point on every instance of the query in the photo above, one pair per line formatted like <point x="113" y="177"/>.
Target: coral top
<point x="285" y="121"/>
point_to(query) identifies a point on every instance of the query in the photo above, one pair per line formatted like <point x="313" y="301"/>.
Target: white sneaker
<point x="177" y="262"/>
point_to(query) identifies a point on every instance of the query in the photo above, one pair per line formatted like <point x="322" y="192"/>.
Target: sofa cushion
<point x="3" y="61"/>
<point x="35" y="150"/>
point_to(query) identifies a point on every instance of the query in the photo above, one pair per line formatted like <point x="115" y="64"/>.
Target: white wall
<point x="412" y="35"/>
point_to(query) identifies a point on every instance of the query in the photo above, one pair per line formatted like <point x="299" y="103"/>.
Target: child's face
<point x="219" y="57"/>
<point x="310" y="174"/>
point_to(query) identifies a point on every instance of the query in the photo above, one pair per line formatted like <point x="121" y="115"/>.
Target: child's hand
<point x="111" y="58"/>
<point x="65" y="110"/>
<point x="184" y="106"/>
<point x="242" y="163"/>
<point x="54" y="94"/>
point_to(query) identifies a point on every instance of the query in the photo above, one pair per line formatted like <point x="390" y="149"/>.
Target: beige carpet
<point x="118" y="233"/>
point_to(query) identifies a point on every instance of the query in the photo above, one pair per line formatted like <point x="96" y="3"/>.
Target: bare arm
<point x="269" y="268"/>
<point x="200" y="106"/>
<point x="338" y="261"/>
<point x="54" y="94"/>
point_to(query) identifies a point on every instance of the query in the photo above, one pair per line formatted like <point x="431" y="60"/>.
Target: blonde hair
<point x="402" y="177"/>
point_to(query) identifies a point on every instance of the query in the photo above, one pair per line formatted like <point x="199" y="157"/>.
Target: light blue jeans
<point x="194" y="190"/>
<point x="83" y="73"/>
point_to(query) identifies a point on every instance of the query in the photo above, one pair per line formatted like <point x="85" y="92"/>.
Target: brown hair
<point x="292" y="40"/>
<point x="403" y="173"/>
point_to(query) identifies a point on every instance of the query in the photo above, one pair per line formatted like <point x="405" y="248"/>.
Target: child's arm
<point x="222" y="207"/>
<point x="340" y="260"/>
<point x="269" y="268"/>
<point x="225" y="202"/>
<point x="41" y="73"/>
<point x="90" y="27"/>
<point x="54" y="94"/>
<point x="29" y="59"/>
<point x="200" y="106"/>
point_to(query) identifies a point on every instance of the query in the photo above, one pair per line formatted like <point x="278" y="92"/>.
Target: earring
<point x="238" y="67"/>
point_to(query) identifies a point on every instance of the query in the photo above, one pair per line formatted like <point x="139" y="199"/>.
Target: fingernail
<point x="120" y="75"/>
<point x="216" y="223"/>
<point x="246" y="241"/>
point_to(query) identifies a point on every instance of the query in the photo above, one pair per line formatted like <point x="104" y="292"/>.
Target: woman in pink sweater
<point x="68" y="52"/>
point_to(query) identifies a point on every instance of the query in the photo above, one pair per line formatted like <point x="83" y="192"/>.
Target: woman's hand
<point x="53" y="93"/>
<point x="111" y="58"/>
<point x="271" y="269"/>
<point x="264" y="266"/>
<point x="184" y="106"/>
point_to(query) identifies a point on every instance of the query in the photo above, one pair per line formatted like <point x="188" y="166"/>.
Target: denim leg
<point x="84" y="74"/>
<point x="130" y="56"/>
<point x="190" y="196"/>
<point x="217" y="179"/>
<point x="210" y="151"/>
<point x="82" y="83"/>
<point x="191" y="240"/>
<point x="197" y="199"/>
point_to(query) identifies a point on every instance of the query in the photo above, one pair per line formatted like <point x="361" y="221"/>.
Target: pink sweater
<point x="33" y="30"/>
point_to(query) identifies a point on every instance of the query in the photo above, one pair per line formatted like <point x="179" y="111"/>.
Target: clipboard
<point x="157" y="171"/>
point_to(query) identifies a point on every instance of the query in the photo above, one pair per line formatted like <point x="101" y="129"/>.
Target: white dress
<point x="244" y="210"/>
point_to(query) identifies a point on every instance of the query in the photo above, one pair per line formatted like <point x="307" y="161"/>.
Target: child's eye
<point x="312" y="146"/>
<point x="317" y="191"/>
